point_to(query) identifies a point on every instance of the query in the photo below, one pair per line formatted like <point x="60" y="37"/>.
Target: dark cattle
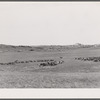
<point x="30" y="61"/>
<point x="94" y="59"/>
<point x="22" y="61"/>
<point x="16" y="60"/>
<point x="26" y="61"/>
<point x="43" y="64"/>
<point x="61" y="57"/>
<point x="31" y="49"/>
<point x="76" y="58"/>
<point x="1" y="63"/>
<point x="51" y="60"/>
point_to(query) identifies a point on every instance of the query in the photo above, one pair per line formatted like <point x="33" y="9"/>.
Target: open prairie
<point x="27" y="67"/>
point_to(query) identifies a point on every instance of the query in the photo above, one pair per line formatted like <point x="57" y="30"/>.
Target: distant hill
<point x="20" y="48"/>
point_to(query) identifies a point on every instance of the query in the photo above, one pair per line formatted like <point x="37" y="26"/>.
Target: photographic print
<point x="49" y="45"/>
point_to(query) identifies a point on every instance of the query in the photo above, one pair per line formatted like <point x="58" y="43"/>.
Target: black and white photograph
<point x="49" y="45"/>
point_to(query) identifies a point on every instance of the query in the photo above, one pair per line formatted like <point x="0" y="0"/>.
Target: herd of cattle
<point x="47" y="62"/>
<point x="51" y="63"/>
<point x="94" y="59"/>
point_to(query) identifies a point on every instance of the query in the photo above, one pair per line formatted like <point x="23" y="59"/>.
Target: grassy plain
<point x="70" y="74"/>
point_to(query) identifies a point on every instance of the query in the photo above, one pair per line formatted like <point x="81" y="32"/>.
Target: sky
<point x="49" y="23"/>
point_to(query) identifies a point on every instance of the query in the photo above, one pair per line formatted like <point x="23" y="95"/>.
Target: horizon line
<point x="50" y="44"/>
